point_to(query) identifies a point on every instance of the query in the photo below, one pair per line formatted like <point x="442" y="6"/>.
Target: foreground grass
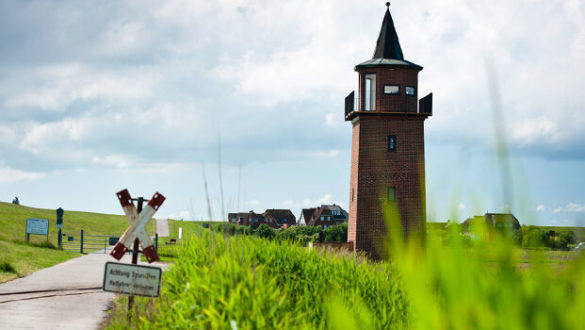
<point x="253" y="283"/>
<point x="220" y="282"/>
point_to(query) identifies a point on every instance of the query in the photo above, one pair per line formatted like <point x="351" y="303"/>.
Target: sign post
<point x="60" y="226"/>
<point x="134" y="235"/>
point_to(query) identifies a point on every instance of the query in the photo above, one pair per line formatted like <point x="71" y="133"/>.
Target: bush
<point x="299" y="234"/>
<point x="226" y="228"/>
<point x="264" y="231"/>
<point x="336" y="233"/>
<point x="7" y="267"/>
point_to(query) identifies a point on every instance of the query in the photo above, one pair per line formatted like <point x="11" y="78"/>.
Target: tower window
<point x="392" y="89"/>
<point x="370" y="92"/>
<point x="409" y="90"/>
<point x="391" y="194"/>
<point x="391" y="142"/>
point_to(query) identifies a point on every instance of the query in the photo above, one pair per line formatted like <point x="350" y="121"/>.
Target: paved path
<point x="162" y="227"/>
<point x="65" y="296"/>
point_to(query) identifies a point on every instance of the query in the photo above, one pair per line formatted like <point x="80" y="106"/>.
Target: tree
<point x="532" y="237"/>
<point x="566" y="238"/>
<point x="265" y="231"/>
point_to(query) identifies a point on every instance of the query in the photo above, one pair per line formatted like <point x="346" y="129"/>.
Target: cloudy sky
<point x="97" y="96"/>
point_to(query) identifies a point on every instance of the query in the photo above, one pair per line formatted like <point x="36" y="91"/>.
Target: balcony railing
<point x="400" y="104"/>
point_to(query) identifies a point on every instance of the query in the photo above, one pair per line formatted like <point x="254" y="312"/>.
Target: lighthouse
<point x="387" y="179"/>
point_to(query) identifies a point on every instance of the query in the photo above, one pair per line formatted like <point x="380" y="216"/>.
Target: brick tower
<point x="387" y="152"/>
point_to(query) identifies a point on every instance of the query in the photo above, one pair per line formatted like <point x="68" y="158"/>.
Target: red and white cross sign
<point x="137" y="226"/>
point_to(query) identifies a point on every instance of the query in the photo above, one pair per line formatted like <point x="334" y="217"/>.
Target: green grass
<point x="261" y="284"/>
<point x="254" y="283"/>
<point x="190" y="229"/>
<point x="26" y="258"/>
<point x="166" y="251"/>
<point x="13" y="222"/>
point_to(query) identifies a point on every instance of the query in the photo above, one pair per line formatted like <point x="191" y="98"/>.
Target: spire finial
<point x="388" y="5"/>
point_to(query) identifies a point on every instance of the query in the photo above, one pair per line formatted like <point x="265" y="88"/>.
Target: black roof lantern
<point x="388" y="51"/>
<point x="388" y="45"/>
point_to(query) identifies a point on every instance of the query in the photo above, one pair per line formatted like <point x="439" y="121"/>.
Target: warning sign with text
<point x="132" y="279"/>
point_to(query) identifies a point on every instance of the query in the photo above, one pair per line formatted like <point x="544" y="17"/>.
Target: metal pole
<point x="156" y="242"/>
<point x="60" y="240"/>
<point x="81" y="245"/>
<point x="134" y="259"/>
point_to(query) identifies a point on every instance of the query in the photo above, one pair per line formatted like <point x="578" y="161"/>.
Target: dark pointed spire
<point x="388" y="45"/>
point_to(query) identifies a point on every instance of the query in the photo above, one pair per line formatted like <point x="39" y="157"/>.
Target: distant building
<point x="323" y="216"/>
<point x="283" y="217"/>
<point x="250" y="218"/>
<point x="274" y="218"/>
<point x="306" y="215"/>
<point x="501" y="221"/>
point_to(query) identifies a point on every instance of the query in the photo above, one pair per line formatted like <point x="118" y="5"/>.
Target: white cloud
<point x="326" y="153"/>
<point x="324" y="200"/>
<point x="8" y="135"/>
<point x="9" y="175"/>
<point x="330" y="118"/>
<point x="574" y="207"/>
<point x="185" y="215"/>
<point x="570" y="207"/>
<point x="540" y="208"/>
<point x="461" y="206"/>
<point x="147" y="85"/>
<point x="55" y="86"/>
<point x="307" y="202"/>
<point x="119" y="161"/>
<point x="253" y="202"/>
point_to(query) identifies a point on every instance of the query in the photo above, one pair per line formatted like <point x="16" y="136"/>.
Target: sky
<point x="248" y="97"/>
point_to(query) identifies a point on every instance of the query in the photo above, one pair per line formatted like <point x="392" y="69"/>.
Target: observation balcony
<point x="394" y="104"/>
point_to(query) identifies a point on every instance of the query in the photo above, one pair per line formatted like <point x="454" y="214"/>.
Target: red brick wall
<point x="374" y="169"/>
<point x="355" y="145"/>
<point x="392" y="76"/>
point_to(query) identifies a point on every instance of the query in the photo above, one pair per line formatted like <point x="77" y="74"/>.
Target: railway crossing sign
<point x="137" y="229"/>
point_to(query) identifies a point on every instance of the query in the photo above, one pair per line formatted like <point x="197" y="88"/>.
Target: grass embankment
<point x="221" y="281"/>
<point x="18" y="258"/>
<point x="168" y="250"/>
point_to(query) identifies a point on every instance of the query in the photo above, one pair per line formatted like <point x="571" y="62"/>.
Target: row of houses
<point x="275" y="218"/>
<point x="324" y="216"/>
